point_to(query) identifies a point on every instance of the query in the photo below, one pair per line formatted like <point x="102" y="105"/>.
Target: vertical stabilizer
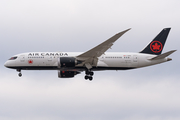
<point x="157" y="44"/>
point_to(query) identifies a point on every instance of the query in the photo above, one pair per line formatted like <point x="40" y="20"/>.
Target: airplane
<point x="69" y="64"/>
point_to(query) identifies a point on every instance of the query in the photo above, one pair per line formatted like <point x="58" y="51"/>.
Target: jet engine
<point x="66" y="62"/>
<point x="67" y="74"/>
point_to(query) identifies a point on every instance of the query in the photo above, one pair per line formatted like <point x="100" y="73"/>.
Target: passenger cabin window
<point x="13" y="58"/>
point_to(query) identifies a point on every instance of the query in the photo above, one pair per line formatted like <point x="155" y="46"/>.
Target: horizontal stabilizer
<point x="163" y="55"/>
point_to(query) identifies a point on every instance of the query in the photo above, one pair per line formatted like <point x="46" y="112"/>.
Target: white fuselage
<point x="107" y="61"/>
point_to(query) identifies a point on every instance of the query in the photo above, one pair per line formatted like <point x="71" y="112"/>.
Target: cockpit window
<point x="13" y="58"/>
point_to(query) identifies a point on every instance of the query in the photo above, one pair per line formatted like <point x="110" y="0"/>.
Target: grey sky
<point x="150" y="93"/>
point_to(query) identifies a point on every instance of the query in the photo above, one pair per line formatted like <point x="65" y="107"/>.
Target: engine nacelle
<point x="66" y="62"/>
<point x="67" y="74"/>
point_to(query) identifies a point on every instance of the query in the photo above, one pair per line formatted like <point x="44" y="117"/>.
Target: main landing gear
<point x="89" y="75"/>
<point x="20" y="74"/>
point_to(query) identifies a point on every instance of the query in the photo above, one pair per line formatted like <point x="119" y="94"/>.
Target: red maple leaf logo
<point x="156" y="46"/>
<point x="30" y="61"/>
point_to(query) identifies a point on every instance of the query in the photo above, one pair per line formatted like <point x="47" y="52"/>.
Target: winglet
<point x="163" y="55"/>
<point x="116" y="36"/>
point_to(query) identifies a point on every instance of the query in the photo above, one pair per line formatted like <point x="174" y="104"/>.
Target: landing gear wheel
<point x="86" y="77"/>
<point x="91" y="73"/>
<point x="90" y="78"/>
<point x="20" y="74"/>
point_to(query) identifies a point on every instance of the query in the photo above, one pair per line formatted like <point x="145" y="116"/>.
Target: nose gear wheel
<point x="20" y="74"/>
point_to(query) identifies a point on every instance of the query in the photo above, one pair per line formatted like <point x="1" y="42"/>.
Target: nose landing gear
<point x="20" y="74"/>
<point x="89" y="75"/>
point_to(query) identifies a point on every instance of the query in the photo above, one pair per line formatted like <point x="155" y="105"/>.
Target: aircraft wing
<point x="92" y="54"/>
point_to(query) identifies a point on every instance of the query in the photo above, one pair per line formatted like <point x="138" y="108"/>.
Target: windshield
<point x="13" y="58"/>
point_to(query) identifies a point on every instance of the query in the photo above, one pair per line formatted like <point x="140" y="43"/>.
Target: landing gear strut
<point x="20" y="74"/>
<point x="89" y="75"/>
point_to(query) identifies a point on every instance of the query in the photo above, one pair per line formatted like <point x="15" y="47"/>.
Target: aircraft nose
<point x="6" y="64"/>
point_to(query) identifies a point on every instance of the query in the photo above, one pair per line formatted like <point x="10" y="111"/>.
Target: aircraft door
<point x="135" y="61"/>
<point x="22" y="58"/>
<point x="50" y="59"/>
